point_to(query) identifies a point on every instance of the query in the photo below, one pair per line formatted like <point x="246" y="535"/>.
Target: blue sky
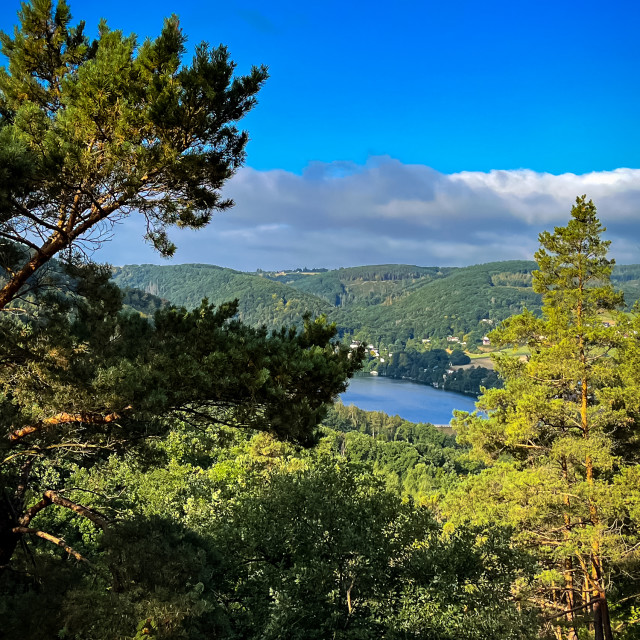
<point x="428" y="89"/>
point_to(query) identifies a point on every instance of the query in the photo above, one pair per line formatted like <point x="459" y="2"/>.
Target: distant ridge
<point x="262" y="301"/>
<point x="386" y="303"/>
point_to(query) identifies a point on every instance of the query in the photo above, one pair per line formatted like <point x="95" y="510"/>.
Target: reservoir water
<point x="410" y="400"/>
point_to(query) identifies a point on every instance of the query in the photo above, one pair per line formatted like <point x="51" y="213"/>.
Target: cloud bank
<point x="340" y="214"/>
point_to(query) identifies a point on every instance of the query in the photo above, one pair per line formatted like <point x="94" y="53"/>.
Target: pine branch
<point x="49" y="538"/>
<point x="51" y="497"/>
<point x="63" y="418"/>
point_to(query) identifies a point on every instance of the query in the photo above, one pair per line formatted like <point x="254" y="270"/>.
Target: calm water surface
<point x="411" y="401"/>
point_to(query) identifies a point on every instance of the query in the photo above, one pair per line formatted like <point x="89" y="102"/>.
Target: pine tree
<point x="83" y="381"/>
<point x="555" y="435"/>
<point x="89" y="133"/>
<point x="92" y="132"/>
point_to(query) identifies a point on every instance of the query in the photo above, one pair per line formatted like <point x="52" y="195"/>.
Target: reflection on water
<point x="410" y="400"/>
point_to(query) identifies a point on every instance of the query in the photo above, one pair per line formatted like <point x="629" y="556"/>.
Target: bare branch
<point x="35" y="219"/>
<point x="52" y="497"/>
<point x="19" y="240"/>
<point x="39" y="451"/>
<point x="49" y="538"/>
<point x="582" y="606"/>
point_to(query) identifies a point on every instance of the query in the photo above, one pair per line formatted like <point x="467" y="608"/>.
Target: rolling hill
<point x="455" y="304"/>
<point x="262" y="301"/>
<point x="386" y="303"/>
<point x="362" y="286"/>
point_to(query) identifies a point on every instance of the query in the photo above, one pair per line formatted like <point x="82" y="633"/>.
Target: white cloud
<point x="341" y="214"/>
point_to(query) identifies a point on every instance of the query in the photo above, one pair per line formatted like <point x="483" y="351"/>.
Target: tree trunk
<point x="571" y="631"/>
<point x="597" y="619"/>
<point x="12" y="288"/>
<point x="600" y="619"/>
<point x="8" y="539"/>
<point x="606" y="621"/>
<point x="568" y="563"/>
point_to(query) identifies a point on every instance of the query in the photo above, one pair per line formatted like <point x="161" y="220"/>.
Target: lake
<point x="410" y="400"/>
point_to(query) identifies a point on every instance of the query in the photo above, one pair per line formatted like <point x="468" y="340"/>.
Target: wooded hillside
<point x="386" y="303"/>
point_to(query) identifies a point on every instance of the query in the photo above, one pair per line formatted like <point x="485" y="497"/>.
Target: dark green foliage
<point x="426" y="366"/>
<point x="328" y="287"/>
<point x="361" y="286"/>
<point x="627" y="279"/>
<point x="265" y="542"/>
<point x="144" y="303"/>
<point x="471" y="381"/>
<point x="385" y="304"/>
<point x="453" y="305"/>
<point x="458" y="357"/>
<point x="81" y="380"/>
<point x="415" y="459"/>
<point x="200" y="361"/>
<point x="327" y="552"/>
<point x="153" y="482"/>
<point x="391" y="272"/>
<point x="520" y="278"/>
<point x="152" y="572"/>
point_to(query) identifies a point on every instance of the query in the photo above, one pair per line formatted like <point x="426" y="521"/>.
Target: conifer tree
<point x="91" y="132"/>
<point x="555" y="436"/>
<point x="83" y="381"/>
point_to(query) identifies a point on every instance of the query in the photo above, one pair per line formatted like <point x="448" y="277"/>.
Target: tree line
<point x="437" y="367"/>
